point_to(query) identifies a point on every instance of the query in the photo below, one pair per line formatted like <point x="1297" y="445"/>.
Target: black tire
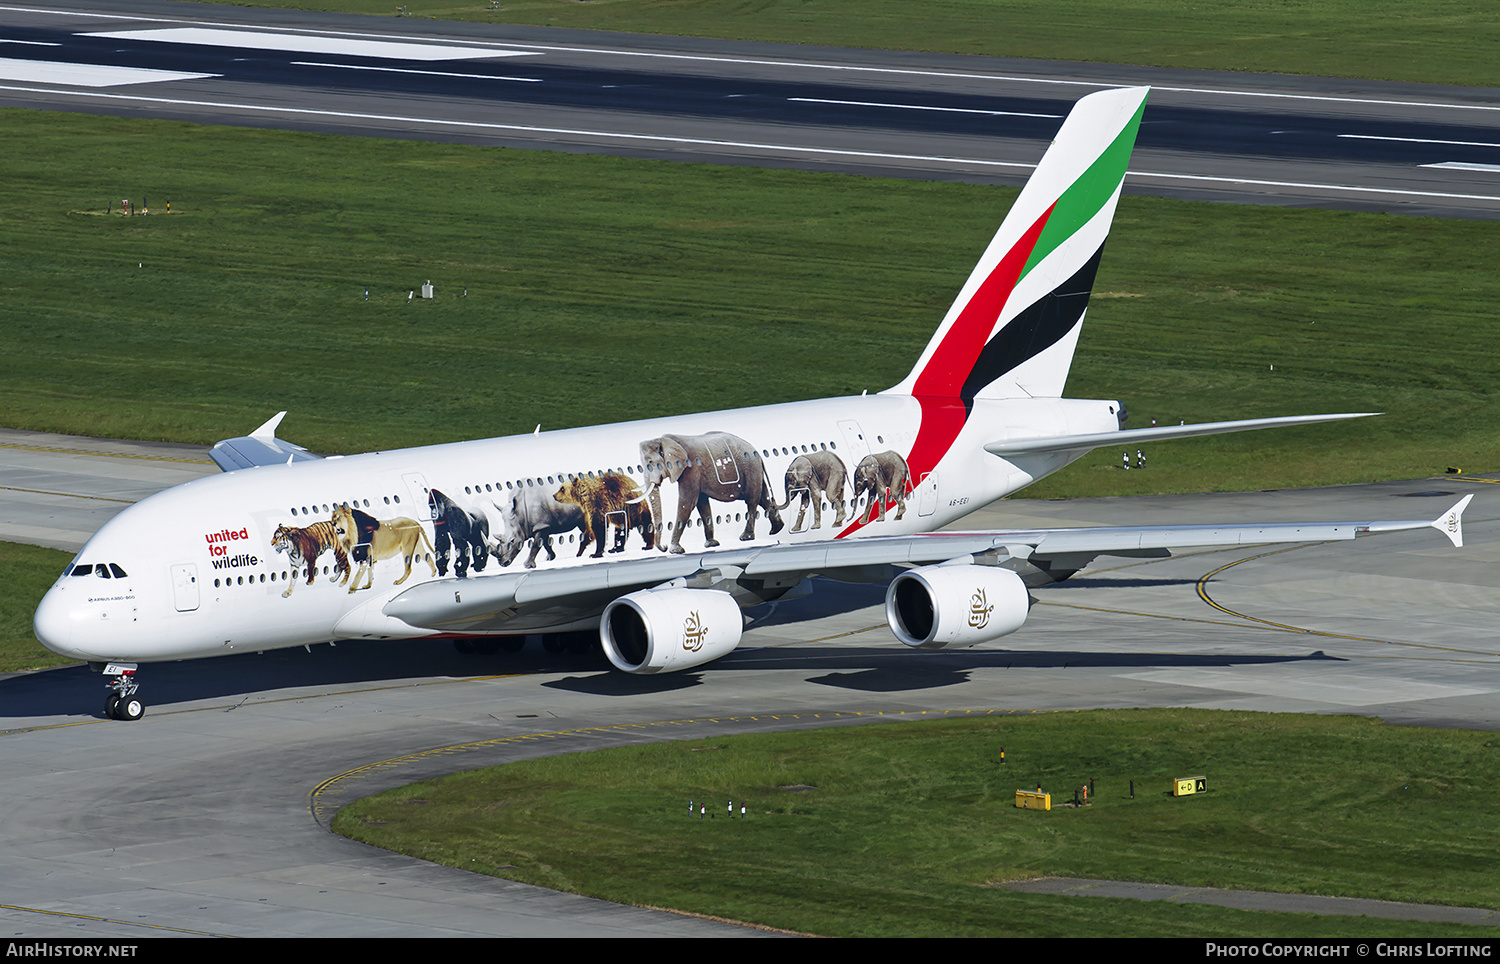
<point x="512" y="644"/>
<point x="582" y="643"/>
<point x="111" y="704"/>
<point x="129" y="709"/>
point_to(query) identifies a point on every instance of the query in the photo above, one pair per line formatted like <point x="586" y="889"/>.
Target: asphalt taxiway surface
<point x="1213" y="135"/>
<point x="210" y="815"/>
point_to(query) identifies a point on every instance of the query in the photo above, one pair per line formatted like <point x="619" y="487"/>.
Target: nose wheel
<point x="122" y="703"/>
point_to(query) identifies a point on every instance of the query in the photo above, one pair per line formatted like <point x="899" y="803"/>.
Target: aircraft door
<point x="726" y="468"/>
<point x="927" y="500"/>
<point x="855" y="445"/>
<point x="422" y="507"/>
<point x="185" y="587"/>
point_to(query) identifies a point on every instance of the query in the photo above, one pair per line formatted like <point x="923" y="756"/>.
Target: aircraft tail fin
<point x="1012" y="330"/>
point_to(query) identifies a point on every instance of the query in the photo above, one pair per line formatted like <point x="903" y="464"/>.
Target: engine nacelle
<point x="937" y="606"/>
<point x="666" y="630"/>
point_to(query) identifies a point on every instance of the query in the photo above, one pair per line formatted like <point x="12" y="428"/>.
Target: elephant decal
<point x="715" y="467"/>
<point x="814" y="476"/>
<point x="884" y="476"/>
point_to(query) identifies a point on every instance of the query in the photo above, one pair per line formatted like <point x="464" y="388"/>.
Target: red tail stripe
<point x="937" y="387"/>
<point x="950" y="364"/>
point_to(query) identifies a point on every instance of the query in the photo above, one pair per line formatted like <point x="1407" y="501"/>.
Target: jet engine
<point x="665" y="630"/>
<point x="937" y="606"/>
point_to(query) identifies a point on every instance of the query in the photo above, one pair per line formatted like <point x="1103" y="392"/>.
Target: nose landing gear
<point x="122" y="703"/>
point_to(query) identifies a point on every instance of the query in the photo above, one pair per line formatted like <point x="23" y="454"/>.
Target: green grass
<point x="910" y="825"/>
<point x="605" y="288"/>
<point x="26" y="572"/>
<point x="1440" y="41"/>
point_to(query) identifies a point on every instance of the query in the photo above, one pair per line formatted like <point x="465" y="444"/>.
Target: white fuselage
<point x="192" y="571"/>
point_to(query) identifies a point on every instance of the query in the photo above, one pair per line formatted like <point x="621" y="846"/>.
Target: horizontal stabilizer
<point x="260" y="447"/>
<point x="1138" y="436"/>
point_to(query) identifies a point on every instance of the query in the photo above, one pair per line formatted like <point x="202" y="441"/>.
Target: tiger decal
<point x="305" y="545"/>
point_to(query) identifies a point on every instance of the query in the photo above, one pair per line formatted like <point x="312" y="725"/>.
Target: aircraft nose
<point x="53" y="623"/>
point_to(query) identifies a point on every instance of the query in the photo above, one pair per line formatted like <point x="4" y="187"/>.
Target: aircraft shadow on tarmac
<point x="75" y="691"/>
<point x="882" y="666"/>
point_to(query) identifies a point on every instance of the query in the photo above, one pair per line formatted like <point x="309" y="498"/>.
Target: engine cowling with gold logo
<point x="938" y="606"/>
<point x="665" y="630"/>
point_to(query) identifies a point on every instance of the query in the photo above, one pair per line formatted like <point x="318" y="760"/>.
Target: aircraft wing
<point x="1137" y="436"/>
<point x="260" y="447"/>
<point x="484" y="603"/>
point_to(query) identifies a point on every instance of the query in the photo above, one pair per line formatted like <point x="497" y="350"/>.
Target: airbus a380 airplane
<point x="286" y="549"/>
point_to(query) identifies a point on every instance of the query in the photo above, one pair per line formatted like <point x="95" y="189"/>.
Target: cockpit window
<point x="104" y="570"/>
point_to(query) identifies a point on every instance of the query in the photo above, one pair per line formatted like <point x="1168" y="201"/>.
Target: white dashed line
<point x="1420" y="140"/>
<point x="1465" y="166"/>
<point x="951" y="110"/>
<point x="410" y="70"/>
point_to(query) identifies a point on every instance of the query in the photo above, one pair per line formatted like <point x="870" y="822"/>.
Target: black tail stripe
<point x="1037" y="328"/>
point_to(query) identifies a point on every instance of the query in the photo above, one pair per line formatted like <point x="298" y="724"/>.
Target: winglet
<point x="260" y="447"/>
<point x="268" y="430"/>
<point x="1451" y="523"/>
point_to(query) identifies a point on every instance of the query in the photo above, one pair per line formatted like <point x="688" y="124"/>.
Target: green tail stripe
<point x="1085" y="196"/>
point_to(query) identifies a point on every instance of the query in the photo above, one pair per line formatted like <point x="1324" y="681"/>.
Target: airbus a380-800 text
<point x="286" y="549"/>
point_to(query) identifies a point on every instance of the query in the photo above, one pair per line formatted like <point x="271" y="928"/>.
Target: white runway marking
<point x="303" y="44"/>
<point x="747" y="145"/>
<point x="1466" y="166"/>
<point x="950" y="110"/>
<point x="86" y="75"/>
<point x="1420" y="140"/>
<point x="408" y="70"/>
<point x="766" y="62"/>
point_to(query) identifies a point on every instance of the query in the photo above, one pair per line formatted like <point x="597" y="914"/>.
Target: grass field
<point x="603" y="288"/>
<point x="26" y="572"/>
<point x="904" y="829"/>
<point x="1440" y="41"/>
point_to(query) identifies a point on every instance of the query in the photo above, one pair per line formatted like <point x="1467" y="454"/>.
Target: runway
<point x="209" y="816"/>
<point x="1247" y="138"/>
